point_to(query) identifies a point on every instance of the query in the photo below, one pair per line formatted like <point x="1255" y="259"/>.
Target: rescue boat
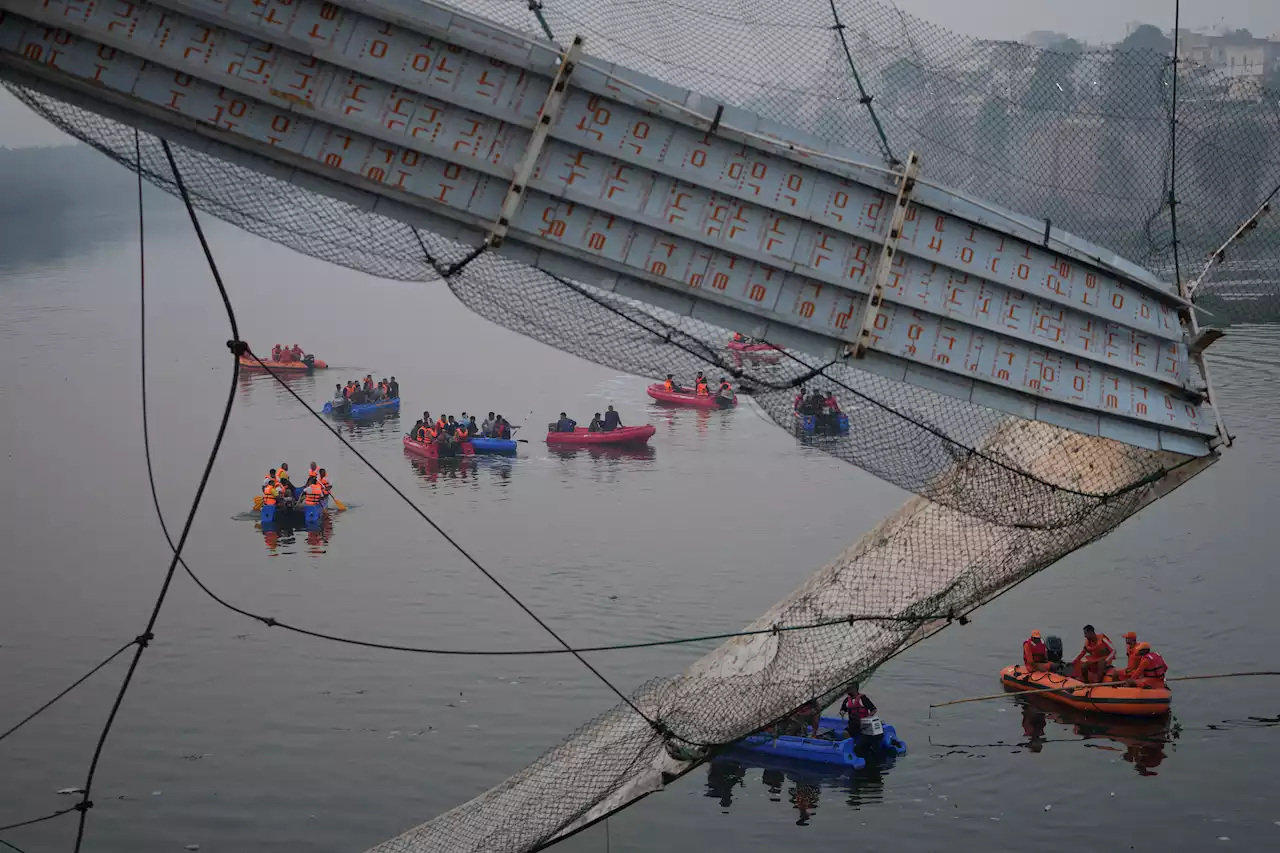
<point x="829" y="747"/>
<point x="292" y="511"/>
<point x="1104" y="698"/>
<point x="307" y="364"/>
<point x="688" y="398"/>
<point x="582" y="437"/>
<point x="431" y="450"/>
<point x="361" y="410"/>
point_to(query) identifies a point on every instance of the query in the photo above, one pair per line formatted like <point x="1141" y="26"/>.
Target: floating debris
<point x="72" y="791"/>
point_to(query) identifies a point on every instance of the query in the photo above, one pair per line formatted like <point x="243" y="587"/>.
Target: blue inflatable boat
<point x="493" y="445"/>
<point x="832" y="746"/>
<point x="809" y="423"/>
<point x="363" y="410"/>
<point x="296" y="514"/>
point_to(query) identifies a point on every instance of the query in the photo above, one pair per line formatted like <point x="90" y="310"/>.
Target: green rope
<point x="863" y="97"/>
<point x="536" y="8"/>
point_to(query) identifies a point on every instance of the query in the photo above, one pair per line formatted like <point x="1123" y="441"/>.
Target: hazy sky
<point x="1088" y="20"/>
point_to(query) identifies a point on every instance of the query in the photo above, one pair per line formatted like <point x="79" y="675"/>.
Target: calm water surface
<point x="238" y="737"/>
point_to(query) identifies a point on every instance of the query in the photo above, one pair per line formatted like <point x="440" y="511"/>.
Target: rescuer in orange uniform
<point x="669" y="385"/>
<point x="1131" y="654"/>
<point x="1097" y="655"/>
<point x="1151" y="668"/>
<point x="1035" y="655"/>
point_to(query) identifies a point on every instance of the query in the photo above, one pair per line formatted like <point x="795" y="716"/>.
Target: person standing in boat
<point x="566" y="423"/>
<point x="275" y="353"/>
<point x="725" y="391"/>
<point x="313" y="471"/>
<point x="1095" y="657"/>
<point x="393" y="389"/>
<point x="700" y="385"/>
<point x="486" y="428"/>
<point x="856" y="707"/>
<point x="282" y="476"/>
<point x="611" y="420"/>
<point x="1035" y="654"/>
<point x="501" y="429"/>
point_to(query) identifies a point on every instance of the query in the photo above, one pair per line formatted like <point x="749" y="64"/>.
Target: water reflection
<point x="281" y="538"/>
<point x="1144" y="743"/>
<point x="799" y="784"/>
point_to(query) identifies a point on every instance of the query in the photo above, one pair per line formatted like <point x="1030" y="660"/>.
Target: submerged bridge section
<point x="590" y="171"/>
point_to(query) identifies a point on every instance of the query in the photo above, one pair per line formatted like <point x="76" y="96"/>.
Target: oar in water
<point x="1006" y="694"/>
<point x="339" y="505"/>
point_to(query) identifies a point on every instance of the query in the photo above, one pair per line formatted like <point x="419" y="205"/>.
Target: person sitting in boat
<point x="357" y="397"/>
<point x="1131" y="655"/>
<point x="739" y="338"/>
<point x="596" y="424"/>
<point x="313" y="471"/>
<point x="611" y="420"/>
<point x="473" y="428"/>
<point x="807" y="716"/>
<point x="700" y="385"/>
<point x="313" y="493"/>
<point x="271" y="478"/>
<point x="832" y="404"/>
<point x="451" y="426"/>
<point x="367" y="385"/>
<point x="275" y="353"/>
<point x="726" y="390"/>
<point x="322" y="477"/>
<point x="442" y="424"/>
<point x="463" y="431"/>
<point x="393" y="389"/>
<point x="270" y="493"/>
<point x="1035" y="654"/>
<point x="566" y="423"/>
<point x="1151" y="668"/>
<point x="1095" y="657"/>
<point x="669" y="385"/>
<point x="502" y="429"/>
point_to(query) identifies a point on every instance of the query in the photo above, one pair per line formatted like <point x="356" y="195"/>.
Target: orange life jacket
<point x="423" y="434"/>
<point x="315" y="495"/>
<point x="314" y="472"/>
<point x="441" y="424"/>
<point x="1034" y="651"/>
<point x="1151" y="670"/>
<point x="1100" y="647"/>
<point x="669" y="386"/>
<point x="726" y="389"/>
<point x="269" y="494"/>
<point x="702" y="389"/>
<point x="460" y="433"/>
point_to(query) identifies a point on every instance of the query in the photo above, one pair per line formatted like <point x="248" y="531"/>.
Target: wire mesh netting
<point x="1078" y="137"/>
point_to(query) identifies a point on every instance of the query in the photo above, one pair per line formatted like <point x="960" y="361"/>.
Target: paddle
<point x="1006" y="694"/>
<point x="339" y="505"/>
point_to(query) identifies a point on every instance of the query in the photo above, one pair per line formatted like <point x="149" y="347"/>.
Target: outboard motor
<point x="1053" y="647"/>
<point x="309" y="360"/>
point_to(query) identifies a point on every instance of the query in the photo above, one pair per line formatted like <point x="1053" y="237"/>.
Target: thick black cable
<point x="272" y="622"/>
<point x="58" y="813"/>
<point x="456" y="545"/>
<point x="81" y="680"/>
<point x="143" y="640"/>
<point x="12" y="846"/>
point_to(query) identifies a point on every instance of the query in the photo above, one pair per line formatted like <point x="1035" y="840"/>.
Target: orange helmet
<point x="1035" y="635"/>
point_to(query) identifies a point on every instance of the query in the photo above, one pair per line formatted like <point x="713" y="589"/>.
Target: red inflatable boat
<point x="582" y="438"/>
<point x="688" y="398"/>
<point x="432" y="451"/>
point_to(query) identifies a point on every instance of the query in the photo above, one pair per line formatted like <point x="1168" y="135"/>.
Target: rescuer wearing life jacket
<point x="323" y="479"/>
<point x="1095" y="657"/>
<point x="738" y="338"/>
<point x="313" y="494"/>
<point x="271" y="478"/>
<point x="1035" y="654"/>
<point x="1131" y="654"/>
<point x="313" y="471"/>
<point x="269" y="492"/>
<point x="1151" y="668"/>
<point x="857" y="706"/>
<point x="275" y="353"/>
<point x="726" y="390"/>
<point x="670" y="385"/>
<point x="700" y="385"/>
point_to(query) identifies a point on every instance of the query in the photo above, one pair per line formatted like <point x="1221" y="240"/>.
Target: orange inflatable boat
<point x="283" y="366"/>
<point x="1100" y="698"/>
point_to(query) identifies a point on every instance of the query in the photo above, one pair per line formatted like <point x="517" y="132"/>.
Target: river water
<point x="239" y="737"/>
